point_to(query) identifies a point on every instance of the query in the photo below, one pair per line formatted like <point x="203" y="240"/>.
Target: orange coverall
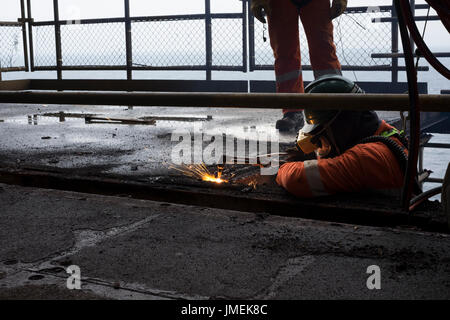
<point x="284" y="39"/>
<point x="363" y="167"/>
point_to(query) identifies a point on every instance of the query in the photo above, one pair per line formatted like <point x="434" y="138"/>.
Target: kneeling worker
<point x="354" y="150"/>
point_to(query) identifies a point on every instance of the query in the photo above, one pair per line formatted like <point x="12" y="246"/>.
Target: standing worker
<point x="316" y="16"/>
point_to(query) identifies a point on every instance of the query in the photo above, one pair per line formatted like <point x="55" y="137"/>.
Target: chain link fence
<point x="156" y="44"/>
<point x="355" y="35"/>
<point x="100" y="44"/>
<point x="168" y="43"/>
<point x="180" y="42"/>
<point x="11" y="47"/>
<point x="44" y="47"/>
<point x="227" y="36"/>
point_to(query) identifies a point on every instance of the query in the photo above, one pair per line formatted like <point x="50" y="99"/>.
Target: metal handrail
<point x="437" y="145"/>
<point x="142" y="19"/>
<point x="342" y="101"/>
<point x="401" y="55"/>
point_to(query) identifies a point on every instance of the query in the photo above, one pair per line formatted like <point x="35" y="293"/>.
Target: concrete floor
<point x="135" y="249"/>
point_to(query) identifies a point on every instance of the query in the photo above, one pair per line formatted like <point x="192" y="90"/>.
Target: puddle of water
<point x="262" y="132"/>
<point x="36" y="277"/>
<point x="10" y="262"/>
<point x="35" y="120"/>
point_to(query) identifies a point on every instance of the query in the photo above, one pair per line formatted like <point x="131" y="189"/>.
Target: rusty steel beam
<point x="13" y="69"/>
<point x="221" y="198"/>
<point x="10" y="24"/>
<point x="386" y="102"/>
<point x="93" y="119"/>
<point x="15" y="85"/>
<point x="437" y="145"/>
<point x="137" y="85"/>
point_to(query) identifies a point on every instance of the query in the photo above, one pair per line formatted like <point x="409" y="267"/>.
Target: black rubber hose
<point x="402" y="138"/>
<point x="423" y="48"/>
<point x="426" y="195"/>
<point x="414" y="108"/>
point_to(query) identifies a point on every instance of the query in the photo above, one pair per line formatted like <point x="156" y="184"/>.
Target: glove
<point x="257" y="7"/>
<point x="337" y="8"/>
<point x="294" y="155"/>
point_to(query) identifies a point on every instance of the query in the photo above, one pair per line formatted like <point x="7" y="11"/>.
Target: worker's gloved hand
<point x="337" y="8"/>
<point x="257" y="8"/>
<point x="294" y="154"/>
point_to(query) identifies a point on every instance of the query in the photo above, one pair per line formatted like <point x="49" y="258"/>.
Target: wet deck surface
<point x="128" y="248"/>
<point x="30" y="136"/>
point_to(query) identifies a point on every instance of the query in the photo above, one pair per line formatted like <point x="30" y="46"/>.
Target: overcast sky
<point x="437" y="37"/>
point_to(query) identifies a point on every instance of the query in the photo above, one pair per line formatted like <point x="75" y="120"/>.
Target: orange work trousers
<point x="284" y="40"/>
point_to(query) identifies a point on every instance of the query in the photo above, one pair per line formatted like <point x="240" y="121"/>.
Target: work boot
<point x="291" y="121"/>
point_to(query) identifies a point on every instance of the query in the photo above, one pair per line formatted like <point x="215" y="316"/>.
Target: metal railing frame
<point x="248" y="41"/>
<point x="128" y="20"/>
<point x="21" y="22"/>
<point x="420" y="162"/>
<point x="431" y="145"/>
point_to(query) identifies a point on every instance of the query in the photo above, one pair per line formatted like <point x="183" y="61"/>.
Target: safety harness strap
<point x="391" y="133"/>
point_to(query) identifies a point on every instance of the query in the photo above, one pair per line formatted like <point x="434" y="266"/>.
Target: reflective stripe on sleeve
<point x="313" y="176"/>
<point x="289" y="76"/>
<point x="319" y="73"/>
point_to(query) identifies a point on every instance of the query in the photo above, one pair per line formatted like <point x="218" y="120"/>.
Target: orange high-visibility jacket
<point x="284" y="40"/>
<point x="363" y="167"/>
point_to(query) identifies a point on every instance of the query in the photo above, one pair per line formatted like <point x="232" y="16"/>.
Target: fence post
<point x="30" y="35"/>
<point x="244" y="36"/>
<point x="24" y="34"/>
<point x="394" y="45"/>
<point x="208" y="38"/>
<point x="413" y="9"/>
<point x="128" y="41"/>
<point x="251" y="37"/>
<point x="421" y="151"/>
<point x="57" y="40"/>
